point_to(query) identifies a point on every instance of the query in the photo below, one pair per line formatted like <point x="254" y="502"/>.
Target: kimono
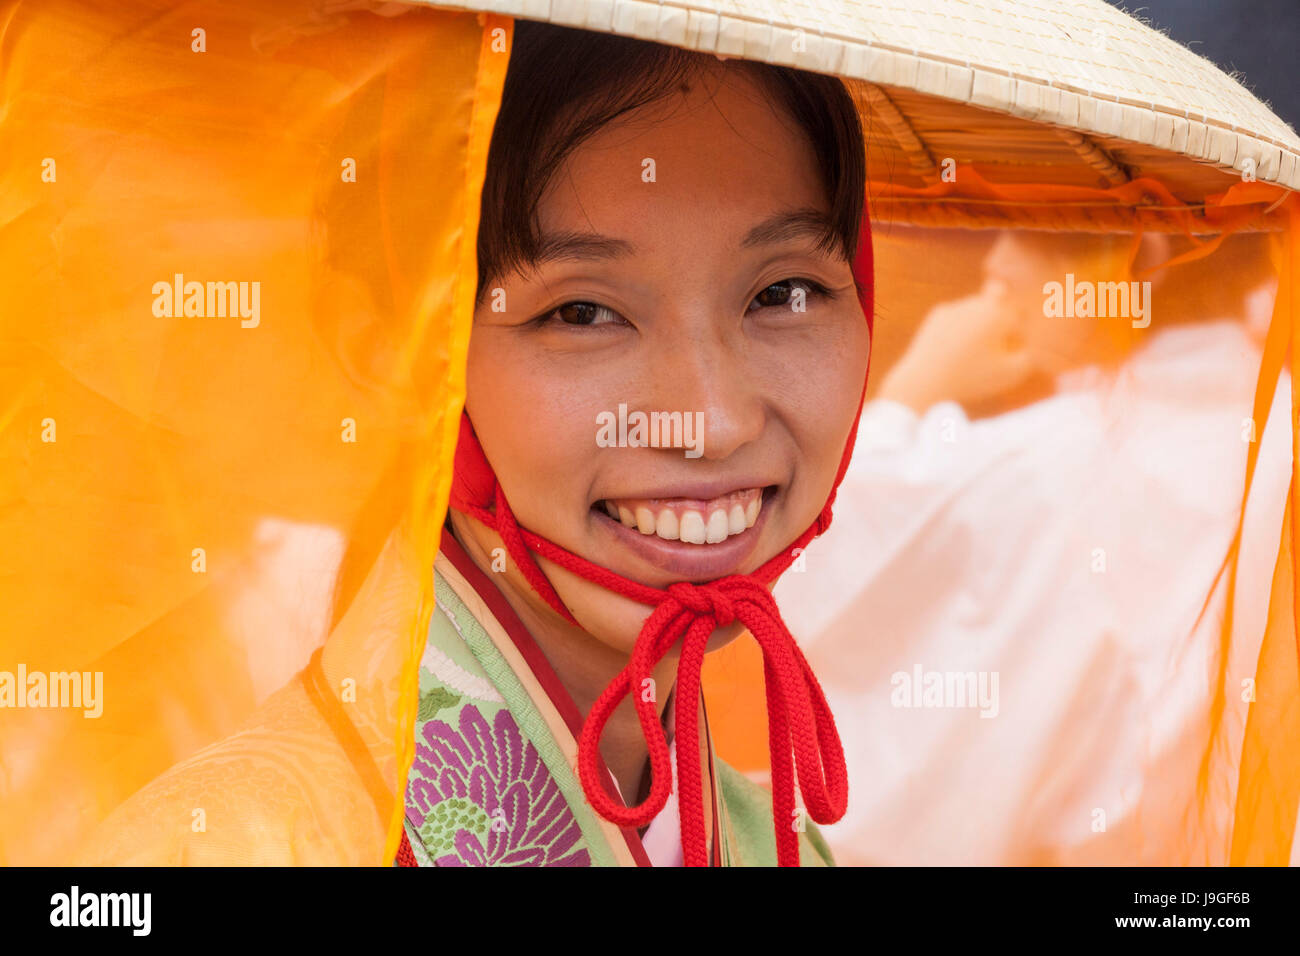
<point x="494" y="780"/>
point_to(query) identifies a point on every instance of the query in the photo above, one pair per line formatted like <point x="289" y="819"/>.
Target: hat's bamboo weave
<point x="1075" y="64"/>
<point x="1055" y="216"/>
<point x="1095" y="156"/>
<point x="905" y="137"/>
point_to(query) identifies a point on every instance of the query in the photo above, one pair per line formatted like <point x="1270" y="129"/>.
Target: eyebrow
<point x="786" y="225"/>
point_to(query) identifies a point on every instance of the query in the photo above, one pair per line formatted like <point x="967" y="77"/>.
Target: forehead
<point x="718" y="153"/>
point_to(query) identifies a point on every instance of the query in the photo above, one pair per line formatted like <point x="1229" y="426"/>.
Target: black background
<point x="1259" y="38"/>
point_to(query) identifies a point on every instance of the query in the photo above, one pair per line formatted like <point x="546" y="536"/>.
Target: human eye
<point x="580" y="314"/>
<point x="780" y="295"/>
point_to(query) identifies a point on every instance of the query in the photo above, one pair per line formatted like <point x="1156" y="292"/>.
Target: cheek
<point x="842" y="400"/>
<point x="819" y="398"/>
<point x="533" y="425"/>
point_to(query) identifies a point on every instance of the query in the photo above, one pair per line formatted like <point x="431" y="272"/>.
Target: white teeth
<point x="736" y="519"/>
<point x="717" y="530"/>
<point x="666" y="525"/>
<point x="692" y="528"/>
<point x="688" y="524"/>
<point x="645" y="520"/>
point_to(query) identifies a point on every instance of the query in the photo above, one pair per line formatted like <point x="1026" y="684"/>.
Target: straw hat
<point x="1068" y="92"/>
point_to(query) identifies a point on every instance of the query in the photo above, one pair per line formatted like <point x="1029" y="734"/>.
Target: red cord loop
<point x="705" y="600"/>
<point x="800" y="722"/>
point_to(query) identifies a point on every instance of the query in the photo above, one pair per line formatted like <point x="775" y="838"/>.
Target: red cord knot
<point x="704" y="599"/>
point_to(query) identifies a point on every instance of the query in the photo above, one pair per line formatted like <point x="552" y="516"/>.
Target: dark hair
<point x="564" y="84"/>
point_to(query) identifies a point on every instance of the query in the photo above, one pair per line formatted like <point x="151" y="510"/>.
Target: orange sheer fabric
<point x="1148" y="715"/>
<point x="199" y="491"/>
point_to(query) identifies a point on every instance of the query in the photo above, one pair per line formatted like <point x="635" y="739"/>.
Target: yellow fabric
<point x="230" y="517"/>
<point x="287" y="446"/>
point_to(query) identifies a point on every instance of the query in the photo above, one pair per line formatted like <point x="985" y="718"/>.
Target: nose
<point x="701" y="367"/>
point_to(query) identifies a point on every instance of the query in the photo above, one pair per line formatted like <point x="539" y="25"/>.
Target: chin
<point x="613" y="619"/>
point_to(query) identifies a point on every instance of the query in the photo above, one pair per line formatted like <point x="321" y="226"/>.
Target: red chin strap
<point x="800" y="725"/>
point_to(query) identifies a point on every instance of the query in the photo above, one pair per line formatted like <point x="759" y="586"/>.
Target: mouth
<point x="694" y="538"/>
<point x="689" y="520"/>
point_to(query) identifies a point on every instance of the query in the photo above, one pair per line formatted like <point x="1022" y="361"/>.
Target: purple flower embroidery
<point x="481" y="796"/>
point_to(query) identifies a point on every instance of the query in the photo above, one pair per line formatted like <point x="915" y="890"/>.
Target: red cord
<point x="405" y="855"/>
<point x="799" y="719"/>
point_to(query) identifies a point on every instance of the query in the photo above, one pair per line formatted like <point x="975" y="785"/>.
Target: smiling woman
<point x="669" y="233"/>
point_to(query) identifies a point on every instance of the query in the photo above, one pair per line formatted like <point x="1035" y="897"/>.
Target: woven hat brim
<point x="1135" y="101"/>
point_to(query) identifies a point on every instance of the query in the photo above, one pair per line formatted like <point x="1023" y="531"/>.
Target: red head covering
<point x="798" y="719"/>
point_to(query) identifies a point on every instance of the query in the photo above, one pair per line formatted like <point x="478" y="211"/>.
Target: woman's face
<point x="683" y="280"/>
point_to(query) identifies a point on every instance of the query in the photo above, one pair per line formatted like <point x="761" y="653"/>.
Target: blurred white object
<point x="1068" y="547"/>
<point x="283" y="613"/>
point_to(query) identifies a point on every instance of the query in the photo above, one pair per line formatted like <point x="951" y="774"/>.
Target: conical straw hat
<point x="1067" y="92"/>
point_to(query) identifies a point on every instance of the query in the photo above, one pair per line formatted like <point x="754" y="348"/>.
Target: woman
<point x="664" y="234"/>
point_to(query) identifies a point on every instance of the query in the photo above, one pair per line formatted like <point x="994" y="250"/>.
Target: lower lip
<point x="691" y="562"/>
